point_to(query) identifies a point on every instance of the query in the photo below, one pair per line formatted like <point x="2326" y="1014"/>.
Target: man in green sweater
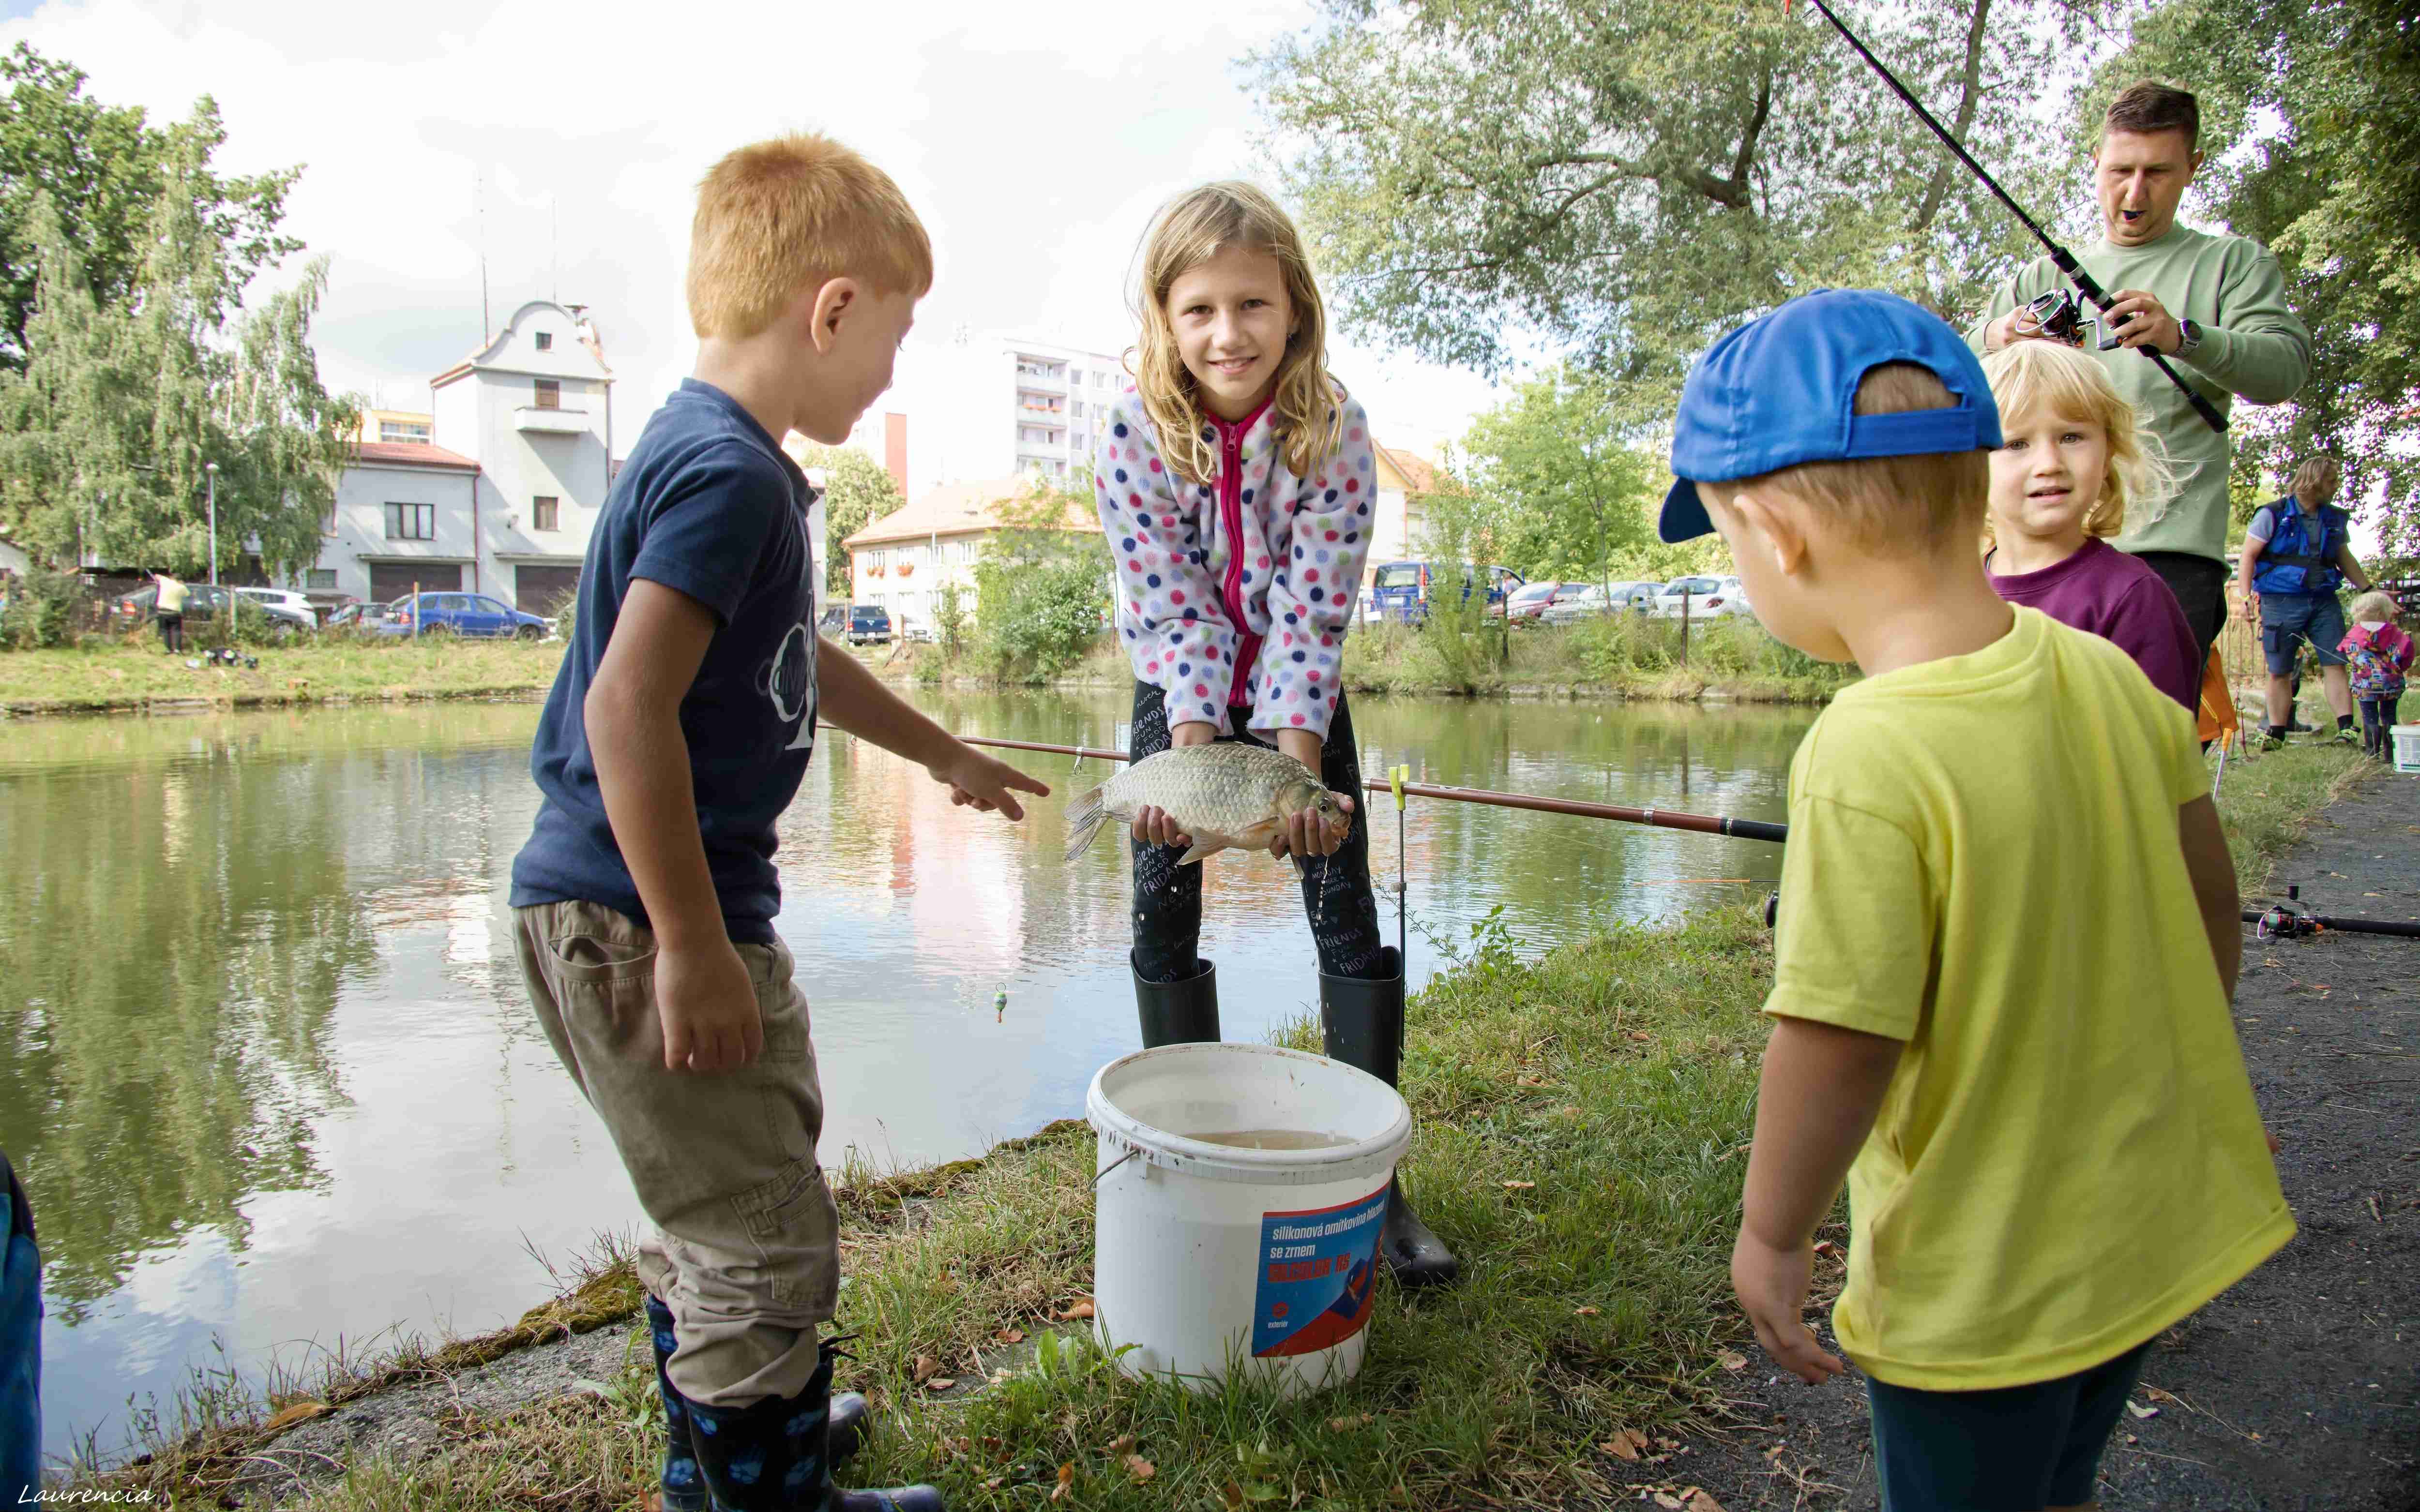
<point x="2215" y="304"/>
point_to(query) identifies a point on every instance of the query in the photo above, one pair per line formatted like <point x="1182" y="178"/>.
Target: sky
<point x="566" y="141"/>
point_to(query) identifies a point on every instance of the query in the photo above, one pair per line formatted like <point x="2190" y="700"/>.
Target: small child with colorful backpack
<point x="2380" y="654"/>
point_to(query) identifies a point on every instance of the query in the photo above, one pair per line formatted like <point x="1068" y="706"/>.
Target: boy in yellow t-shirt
<point x="2009" y="934"/>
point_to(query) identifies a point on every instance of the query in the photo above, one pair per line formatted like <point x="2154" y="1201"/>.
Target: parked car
<point x="462" y="614"/>
<point x="1530" y="604"/>
<point x="1707" y="596"/>
<point x="288" y="611"/>
<point x="869" y="625"/>
<point x="1602" y="598"/>
<point x="357" y="616"/>
<point x="202" y="602"/>
<point x="834" y="621"/>
<point x="1402" y="588"/>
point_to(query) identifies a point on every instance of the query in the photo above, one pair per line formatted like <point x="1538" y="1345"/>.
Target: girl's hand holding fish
<point x="1152" y="826"/>
<point x="1307" y="832"/>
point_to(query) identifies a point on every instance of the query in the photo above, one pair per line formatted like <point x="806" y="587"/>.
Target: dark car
<point x="1401" y="589"/>
<point x="463" y="614"/>
<point x="1530" y="603"/>
<point x="869" y="624"/>
<point x="202" y="602"/>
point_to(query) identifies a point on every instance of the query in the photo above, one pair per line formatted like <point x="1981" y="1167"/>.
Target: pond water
<point x="268" y="1072"/>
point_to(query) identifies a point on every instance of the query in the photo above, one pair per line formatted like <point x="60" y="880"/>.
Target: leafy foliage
<point x="1571" y="493"/>
<point x="2311" y="118"/>
<point x="858" y="490"/>
<point x="1042" y="588"/>
<point x="103" y="169"/>
<point x="1627" y="181"/>
<point x="126" y="396"/>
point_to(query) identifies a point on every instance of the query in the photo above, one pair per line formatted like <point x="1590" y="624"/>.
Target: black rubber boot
<point x="1177" y="1012"/>
<point x="776" y="1456"/>
<point x="679" y="1487"/>
<point x="1361" y="1023"/>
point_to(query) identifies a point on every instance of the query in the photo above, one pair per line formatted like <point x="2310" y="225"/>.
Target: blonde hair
<point x="1890" y="506"/>
<point x="2374" y="606"/>
<point x="1306" y="406"/>
<point x="776" y="216"/>
<point x="2316" y="473"/>
<point x="2030" y="376"/>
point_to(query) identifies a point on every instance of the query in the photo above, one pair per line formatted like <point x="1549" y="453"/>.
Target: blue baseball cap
<point x="1782" y="390"/>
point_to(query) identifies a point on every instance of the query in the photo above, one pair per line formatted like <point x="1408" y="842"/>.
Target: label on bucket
<point x="1318" y="1276"/>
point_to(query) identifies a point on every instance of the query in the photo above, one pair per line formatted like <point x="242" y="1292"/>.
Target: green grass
<point x="109" y="674"/>
<point x="2268" y="801"/>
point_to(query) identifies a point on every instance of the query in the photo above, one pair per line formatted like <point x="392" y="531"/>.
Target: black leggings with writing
<point x="1336" y="893"/>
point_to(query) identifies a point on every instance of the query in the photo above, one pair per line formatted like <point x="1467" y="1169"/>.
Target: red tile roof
<point x="411" y="454"/>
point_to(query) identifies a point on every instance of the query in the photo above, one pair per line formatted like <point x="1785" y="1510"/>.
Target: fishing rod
<point x="2060" y="257"/>
<point x="2291" y="920"/>
<point x="1622" y="813"/>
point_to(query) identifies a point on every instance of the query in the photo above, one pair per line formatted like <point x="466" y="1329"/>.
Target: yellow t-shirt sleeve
<point x="1853" y="938"/>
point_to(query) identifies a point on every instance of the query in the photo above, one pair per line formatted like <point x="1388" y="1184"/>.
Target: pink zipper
<point x="1231" y="518"/>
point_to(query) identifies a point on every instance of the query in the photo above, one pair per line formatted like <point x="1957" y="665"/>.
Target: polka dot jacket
<point x="1236" y="592"/>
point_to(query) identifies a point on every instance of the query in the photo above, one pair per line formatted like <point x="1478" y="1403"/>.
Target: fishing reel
<point x="2059" y="317"/>
<point x="2287" y="920"/>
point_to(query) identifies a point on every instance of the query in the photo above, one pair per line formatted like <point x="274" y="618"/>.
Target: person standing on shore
<point x="678" y="732"/>
<point x="2296" y="551"/>
<point x="170" y="607"/>
<point x="2214" y="305"/>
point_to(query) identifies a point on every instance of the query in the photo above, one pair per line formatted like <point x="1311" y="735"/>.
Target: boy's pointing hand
<point x="981" y="782"/>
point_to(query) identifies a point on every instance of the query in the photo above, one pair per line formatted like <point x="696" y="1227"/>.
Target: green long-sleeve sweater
<point x="2253" y="345"/>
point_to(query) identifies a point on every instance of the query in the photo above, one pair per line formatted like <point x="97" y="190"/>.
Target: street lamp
<point x="213" y="470"/>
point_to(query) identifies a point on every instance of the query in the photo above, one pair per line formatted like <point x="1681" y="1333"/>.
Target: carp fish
<point x="1230" y="795"/>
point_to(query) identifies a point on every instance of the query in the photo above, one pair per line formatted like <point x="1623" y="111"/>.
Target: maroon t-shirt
<point x="2103" y="589"/>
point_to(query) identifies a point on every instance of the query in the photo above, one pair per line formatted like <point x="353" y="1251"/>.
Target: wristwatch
<point x="2188" y="337"/>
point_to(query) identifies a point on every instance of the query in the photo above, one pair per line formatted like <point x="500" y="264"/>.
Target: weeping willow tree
<point x="107" y="433"/>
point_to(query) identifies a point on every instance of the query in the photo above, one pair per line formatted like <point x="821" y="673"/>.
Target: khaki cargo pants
<point x="745" y="1251"/>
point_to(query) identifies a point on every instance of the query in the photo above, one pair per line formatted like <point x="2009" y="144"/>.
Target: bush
<point x="41" y="611"/>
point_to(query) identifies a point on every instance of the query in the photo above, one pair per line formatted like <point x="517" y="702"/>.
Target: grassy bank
<point x="1615" y="656"/>
<point x="1583" y="1121"/>
<point x="103" y="676"/>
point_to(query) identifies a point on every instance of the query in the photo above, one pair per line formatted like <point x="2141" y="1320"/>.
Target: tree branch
<point x="1969" y="96"/>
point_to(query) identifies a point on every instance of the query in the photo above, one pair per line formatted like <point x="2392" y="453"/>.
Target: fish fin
<point x="1085" y="817"/>
<point x="1204" y="845"/>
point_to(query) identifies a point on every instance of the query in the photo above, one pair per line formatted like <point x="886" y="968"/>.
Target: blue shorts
<point x="2286" y="618"/>
<point x="2018" y="1449"/>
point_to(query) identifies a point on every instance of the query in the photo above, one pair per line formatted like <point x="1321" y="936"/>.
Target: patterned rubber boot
<point x="775" y="1455"/>
<point x="681" y="1487"/>
<point x="1361" y="1023"/>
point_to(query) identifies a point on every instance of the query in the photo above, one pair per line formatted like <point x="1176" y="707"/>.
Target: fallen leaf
<point x="1122" y="1443"/>
<point x="1530" y="1081"/>
<point x="924" y="1369"/>
<point x="1518" y="1186"/>
<point x="1732" y="1360"/>
<point x="1066" y="1485"/>
<point x="1584" y="1312"/>
<point x="2141" y="1411"/>
<point x="1571" y="1112"/>
<point x="1642" y="1035"/>
<point x="1351" y="1421"/>
<point x="296" y="1412"/>
<point x="1669" y="1501"/>
<point x="1700" y="1502"/>
<point x="940" y="1382"/>
<point x="1141" y="1469"/>
<point x="1082" y="1307"/>
<point x="1009" y="1335"/>
<point x="1625" y="1444"/>
<point x="1826" y="1247"/>
<point x="1234" y="1495"/>
<point x="993" y="1483"/>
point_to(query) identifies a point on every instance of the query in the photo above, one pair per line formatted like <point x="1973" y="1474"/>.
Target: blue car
<point x="463" y="614"/>
<point x="1401" y="589"/>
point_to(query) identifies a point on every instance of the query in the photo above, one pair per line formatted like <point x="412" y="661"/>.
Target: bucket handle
<point x="1115" y="1165"/>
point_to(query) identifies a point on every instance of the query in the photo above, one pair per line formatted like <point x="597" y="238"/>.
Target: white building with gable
<point x="500" y="498"/>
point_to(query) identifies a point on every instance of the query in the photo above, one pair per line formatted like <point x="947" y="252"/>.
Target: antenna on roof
<point x="554" y="247"/>
<point x="479" y="212"/>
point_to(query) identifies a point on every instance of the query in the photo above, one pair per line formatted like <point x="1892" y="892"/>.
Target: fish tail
<point x="1085" y="817"/>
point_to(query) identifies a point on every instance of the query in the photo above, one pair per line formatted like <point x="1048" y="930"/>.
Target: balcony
<point x="566" y="421"/>
<point x="1041" y="382"/>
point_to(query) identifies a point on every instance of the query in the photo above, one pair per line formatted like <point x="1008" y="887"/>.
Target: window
<point x="411" y="522"/>
<point x="545" y="341"/>
<point x="319" y="580"/>
<point x="542" y="510"/>
<point x="1101" y="381"/>
<point x="404" y="431"/>
<point x="549" y="393"/>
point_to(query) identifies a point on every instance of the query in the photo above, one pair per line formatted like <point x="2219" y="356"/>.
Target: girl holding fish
<point x="1236" y="482"/>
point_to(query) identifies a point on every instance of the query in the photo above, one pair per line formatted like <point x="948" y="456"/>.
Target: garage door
<point x="543" y="590"/>
<point x="391" y="580"/>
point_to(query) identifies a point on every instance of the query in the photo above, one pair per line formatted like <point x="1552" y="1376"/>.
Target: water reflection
<point x="267" y="1069"/>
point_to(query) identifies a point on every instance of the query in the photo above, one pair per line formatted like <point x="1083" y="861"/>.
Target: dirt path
<point x="2299" y="1390"/>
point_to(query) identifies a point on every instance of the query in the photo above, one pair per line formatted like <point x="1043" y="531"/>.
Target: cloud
<point x="564" y="145"/>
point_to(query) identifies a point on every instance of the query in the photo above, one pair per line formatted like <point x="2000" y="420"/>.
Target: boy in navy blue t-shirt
<point x="676" y="733"/>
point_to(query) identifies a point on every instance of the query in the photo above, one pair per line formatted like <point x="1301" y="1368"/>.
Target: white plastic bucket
<point x="2407" y="746"/>
<point x="1207" y="1256"/>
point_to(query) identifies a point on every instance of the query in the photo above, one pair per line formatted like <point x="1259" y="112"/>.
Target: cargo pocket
<point x="592" y="959"/>
<point x="795" y="1226"/>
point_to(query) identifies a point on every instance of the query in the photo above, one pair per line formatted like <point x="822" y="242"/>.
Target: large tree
<point x="1572" y="496"/>
<point x="2311" y="118"/>
<point x="1623" y="180"/>
<point x="107" y="433"/>
<point x="102" y="168"/>
<point x="856" y="492"/>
